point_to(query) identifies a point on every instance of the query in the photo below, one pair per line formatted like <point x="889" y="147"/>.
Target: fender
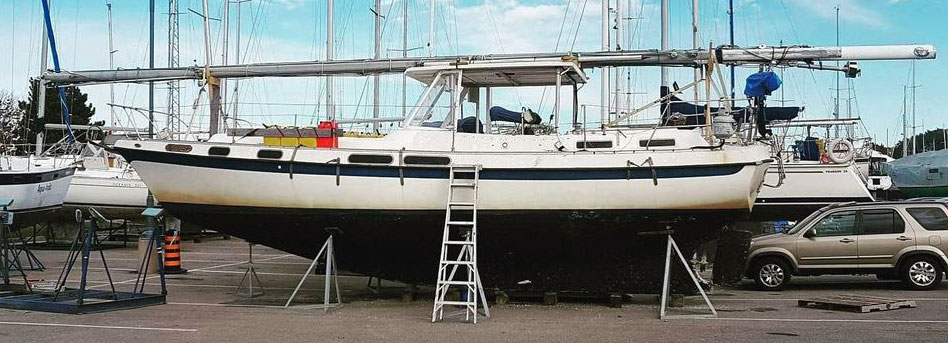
<point x="925" y="250"/>
<point x="772" y="251"/>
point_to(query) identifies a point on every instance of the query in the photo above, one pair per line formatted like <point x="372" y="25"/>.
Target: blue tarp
<point x="762" y="84"/>
<point x="693" y="112"/>
<point x="498" y="113"/>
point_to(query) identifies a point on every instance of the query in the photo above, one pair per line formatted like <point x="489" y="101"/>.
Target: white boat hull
<point x="807" y="187"/>
<point x="34" y="192"/>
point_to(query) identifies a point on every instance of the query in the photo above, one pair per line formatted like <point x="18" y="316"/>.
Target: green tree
<point x="79" y="110"/>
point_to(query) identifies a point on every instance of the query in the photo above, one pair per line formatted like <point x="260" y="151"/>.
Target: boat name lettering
<point x="44" y="188"/>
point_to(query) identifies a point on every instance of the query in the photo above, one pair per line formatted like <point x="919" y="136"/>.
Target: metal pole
<point x="431" y="32"/>
<point x="664" y="40"/>
<point x="329" y="267"/>
<point x="694" y="39"/>
<point x="41" y="89"/>
<point x="836" y="102"/>
<point x="330" y="106"/>
<point x="214" y="91"/>
<point x="914" y="145"/>
<point x="604" y="83"/>
<point x="151" y="64"/>
<point x="404" y="55"/>
<point x="111" y="66"/>
<point x="730" y="15"/>
<point x="224" y="53"/>
<point x="904" y="121"/>
<point x="174" y="95"/>
<point x="237" y="81"/>
<point x="378" y="54"/>
<point x="556" y="100"/>
<point x="617" y="78"/>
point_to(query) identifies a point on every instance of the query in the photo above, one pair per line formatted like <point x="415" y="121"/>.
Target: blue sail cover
<point x="693" y="112"/>
<point x="762" y="84"/>
<point x="498" y="113"/>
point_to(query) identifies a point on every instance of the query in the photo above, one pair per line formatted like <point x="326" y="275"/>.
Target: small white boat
<point x="103" y="181"/>
<point x="36" y="188"/>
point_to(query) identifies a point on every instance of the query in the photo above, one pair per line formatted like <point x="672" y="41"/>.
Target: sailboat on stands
<point x="565" y="211"/>
<point x="36" y="190"/>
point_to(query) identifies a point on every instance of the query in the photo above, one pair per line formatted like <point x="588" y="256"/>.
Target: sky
<point x="292" y="30"/>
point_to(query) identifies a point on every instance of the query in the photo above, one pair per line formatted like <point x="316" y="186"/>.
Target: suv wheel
<point x="922" y="273"/>
<point x="771" y="274"/>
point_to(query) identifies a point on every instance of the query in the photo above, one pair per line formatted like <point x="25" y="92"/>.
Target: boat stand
<point x="9" y="258"/>
<point x="331" y="277"/>
<point x="250" y="276"/>
<point x="666" y="284"/>
<point x="61" y="299"/>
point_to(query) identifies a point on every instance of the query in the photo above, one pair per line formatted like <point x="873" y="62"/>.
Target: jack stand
<point x="378" y="284"/>
<point x="24" y="249"/>
<point x="9" y="260"/>
<point x="667" y="280"/>
<point x="250" y="276"/>
<point x="62" y="299"/>
<point x="331" y="275"/>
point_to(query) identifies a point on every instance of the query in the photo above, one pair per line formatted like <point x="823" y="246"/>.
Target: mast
<point x="431" y="32"/>
<point x="914" y="146"/>
<point x="730" y="16"/>
<point x="378" y="54"/>
<point x="604" y="83"/>
<point x="214" y="93"/>
<point x="41" y="88"/>
<point x="618" y="70"/>
<point x="224" y="51"/>
<point x="904" y="122"/>
<point x="330" y="106"/>
<point x="174" y="93"/>
<point x="237" y="81"/>
<point x="836" y="103"/>
<point x="151" y="64"/>
<point x="664" y="41"/>
<point x="62" y="93"/>
<point x="405" y="55"/>
<point x="111" y="66"/>
<point x="694" y="39"/>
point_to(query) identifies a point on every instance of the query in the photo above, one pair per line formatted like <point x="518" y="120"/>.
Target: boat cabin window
<point x="428" y="160"/>
<point x="645" y="143"/>
<point x="218" y="151"/>
<point x="178" y="147"/>
<point x="271" y="154"/>
<point x="376" y="159"/>
<point x="593" y="144"/>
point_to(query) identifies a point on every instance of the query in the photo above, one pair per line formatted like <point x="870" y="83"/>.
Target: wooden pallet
<point x="856" y="303"/>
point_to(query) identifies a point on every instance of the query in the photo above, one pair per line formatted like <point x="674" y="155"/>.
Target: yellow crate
<point x="271" y="141"/>
<point x="289" y="141"/>
<point x="308" y="142"/>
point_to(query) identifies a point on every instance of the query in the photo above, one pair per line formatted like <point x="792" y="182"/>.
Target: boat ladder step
<point x="460" y="215"/>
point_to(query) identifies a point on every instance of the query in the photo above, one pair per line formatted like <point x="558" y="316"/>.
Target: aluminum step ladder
<point x="460" y="239"/>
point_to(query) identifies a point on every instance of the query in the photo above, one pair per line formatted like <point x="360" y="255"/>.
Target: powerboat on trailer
<point x="36" y="189"/>
<point x="567" y="211"/>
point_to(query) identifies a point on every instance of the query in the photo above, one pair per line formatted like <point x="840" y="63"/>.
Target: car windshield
<point x="796" y="228"/>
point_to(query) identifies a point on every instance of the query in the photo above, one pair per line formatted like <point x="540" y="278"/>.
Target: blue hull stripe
<point x="427" y="172"/>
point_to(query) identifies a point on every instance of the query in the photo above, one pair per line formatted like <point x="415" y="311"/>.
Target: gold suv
<point x="894" y="240"/>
